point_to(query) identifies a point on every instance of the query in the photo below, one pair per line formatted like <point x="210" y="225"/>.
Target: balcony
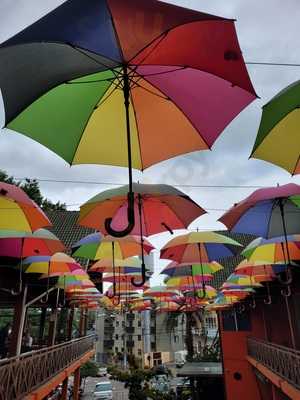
<point x="283" y="361"/>
<point x="20" y="376"/>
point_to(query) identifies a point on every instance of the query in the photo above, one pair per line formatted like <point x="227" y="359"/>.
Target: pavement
<point x="119" y="392"/>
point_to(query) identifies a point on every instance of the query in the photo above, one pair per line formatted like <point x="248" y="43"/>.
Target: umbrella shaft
<point x="126" y="91"/>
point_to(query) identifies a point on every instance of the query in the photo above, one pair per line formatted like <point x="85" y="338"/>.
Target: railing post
<point x="42" y="324"/>
<point x="76" y="386"/>
<point x="70" y="324"/>
<point x="64" y="394"/>
<point x="18" y="324"/>
<point x="52" y="327"/>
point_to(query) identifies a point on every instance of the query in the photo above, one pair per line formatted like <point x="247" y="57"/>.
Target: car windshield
<point x="103" y="387"/>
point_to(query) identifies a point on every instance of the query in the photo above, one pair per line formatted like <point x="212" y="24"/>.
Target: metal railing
<point x="21" y="375"/>
<point x="281" y="360"/>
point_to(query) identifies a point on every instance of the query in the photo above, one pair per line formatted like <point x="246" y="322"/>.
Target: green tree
<point x="90" y="368"/>
<point x="32" y="188"/>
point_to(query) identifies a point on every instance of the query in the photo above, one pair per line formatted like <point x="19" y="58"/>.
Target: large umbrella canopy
<point x="186" y="269"/>
<point x="201" y="247"/>
<point x="18" y="211"/>
<point x="278" y="138"/>
<point x="273" y="250"/>
<point x="62" y="80"/>
<point x="268" y="212"/>
<point x="95" y="247"/>
<point x="20" y="244"/>
<point x="157" y="208"/>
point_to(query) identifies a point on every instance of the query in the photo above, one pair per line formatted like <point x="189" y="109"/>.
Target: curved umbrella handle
<point x="286" y="292"/>
<point x="14" y="292"/>
<point x="268" y="300"/>
<point x="130" y="216"/>
<point x="253" y="303"/>
<point x="142" y="282"/>
<point x="289" y="277"/>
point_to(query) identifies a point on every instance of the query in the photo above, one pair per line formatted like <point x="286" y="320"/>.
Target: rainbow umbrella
<point x="160" y="291"/>
<point x="241" y="280"/>
<point x="157" y="208"/>
<point x="270" y="212"/>
<point x="57" y="263"/>
<point x="208" y="292"/>
<point x="202" y="247"/>
<point x="199" y="247"/>
<point x="95" y="247"/>
<point x="18" y="211"/>
<point x="273" y="250"/>
<point x="19" y="244"/>
<point x="260" y="268"/>
<point x="128" y="265"/>
<point x="183" y="283"/>
<point x="121" y="278"/>
<point x="278" y="140"/>
<point x="84" y="61"/>
<point x="183" y="269"/>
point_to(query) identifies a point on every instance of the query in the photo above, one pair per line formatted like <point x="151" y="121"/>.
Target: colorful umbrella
<point x="160" y="292"/>
<point x="258" y="268"/>
<point x="95" y="247"/>
<point x="202" y="247"/>
<point x="187" y="269"/>
<point x="157" y="207"/>
<point x="187" y="282"/>
<point x="82" y="63"/>
<point x="268" y="212"/>
<point x="58" y="263"/>
<point x="19" y="244"/>
<point x="132" y="264"/>
<point x="240" y="280"/>
<point x="208" y="292"/>
<point x="18" y="211"/>
<point x="278" y="139"/>
<point x="273" y="250"/>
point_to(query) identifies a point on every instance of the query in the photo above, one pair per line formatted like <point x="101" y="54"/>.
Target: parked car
<point x="103" y="391"/>
<point x="102" y="371"/>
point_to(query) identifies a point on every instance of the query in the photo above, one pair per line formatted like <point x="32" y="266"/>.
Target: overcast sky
<point x="268" y="31"/>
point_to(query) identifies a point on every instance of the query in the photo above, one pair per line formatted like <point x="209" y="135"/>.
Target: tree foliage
<point x="32" y="188"/>
<point x="89" y="369"/>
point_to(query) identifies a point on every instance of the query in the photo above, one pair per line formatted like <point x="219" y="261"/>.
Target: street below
<point x="119" y="392"/>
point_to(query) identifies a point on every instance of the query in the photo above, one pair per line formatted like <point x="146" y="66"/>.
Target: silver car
<point x="103" y="391"/>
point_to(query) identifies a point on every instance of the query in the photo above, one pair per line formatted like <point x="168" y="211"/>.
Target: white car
<point x="102" y="371"/>
<point x="103" y="391"/>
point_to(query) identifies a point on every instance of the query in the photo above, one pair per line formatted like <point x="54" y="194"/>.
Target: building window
<point x="139" y="352"/>
<point x="123" y="324"/>
<point x="139" y="337"/>
<point x="176" y="339"/>
<point x="139" y="324"/>
<point x="117" y="337"/>
<point x="116" y="350"/>
<point x="233" y="321"/>
<point x="211" y="323"/>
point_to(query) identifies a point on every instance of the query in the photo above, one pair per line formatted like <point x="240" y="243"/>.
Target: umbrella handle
<point x="14" y="292"/>
<point x="142" y="282"/>
<point x="268" y="300"/>
<point x="289" y="276"/>
<point x="130" y="216"/>
<point x="286" y="292"/>
<point x="253" y="304"/>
